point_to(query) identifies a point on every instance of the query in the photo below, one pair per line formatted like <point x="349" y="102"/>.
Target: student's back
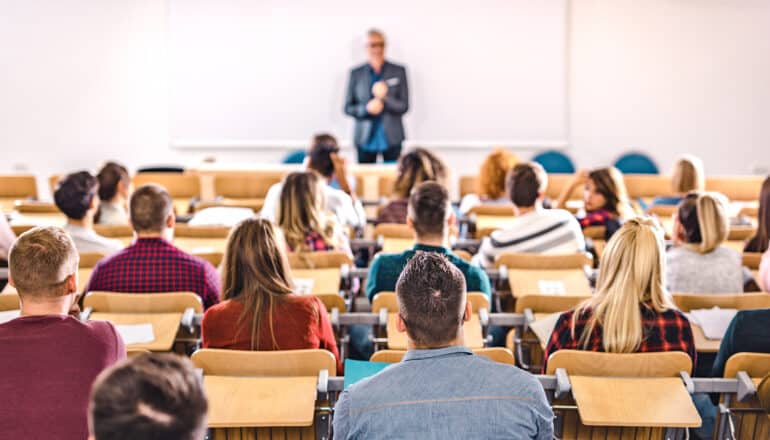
<point x="747" y="332"/>
<point x="447" y="393"/>
<point x="48" y="364"/>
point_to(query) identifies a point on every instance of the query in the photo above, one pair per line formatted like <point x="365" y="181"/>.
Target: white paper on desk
<point x="136" y="333"/>
<point x="543" y="327"/>
<point x="9" y="315"/>
<point x="713" y="321"/>
<point x="221" y="216"/>
<point x="303" y="286"/>
<point x="551" y="287"/>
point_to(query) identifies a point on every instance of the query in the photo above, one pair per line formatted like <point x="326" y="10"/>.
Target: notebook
<point x="136" y="333"/>
<point x="358" y="370"/>
<point x="714" y="321"/>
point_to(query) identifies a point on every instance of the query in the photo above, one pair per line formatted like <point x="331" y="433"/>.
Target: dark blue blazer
<point x="396" y="102"/>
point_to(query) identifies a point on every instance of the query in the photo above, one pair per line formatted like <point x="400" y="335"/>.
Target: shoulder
<point x="223" y="310"/>
<point x="389" y="260"/>
<point x="102" y="331"/>
<point x="356" y="70"/>
<point x="727" y="253"/>
<point x="396" y="66"/>
<point x="670" y="315"/>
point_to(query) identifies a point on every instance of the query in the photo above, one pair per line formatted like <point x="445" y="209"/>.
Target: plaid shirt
<point x="667" y="331"/>
<point x="155" y="265"/>
<point x="596" y="218"/>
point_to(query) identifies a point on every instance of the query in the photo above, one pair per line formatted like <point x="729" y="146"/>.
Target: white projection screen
<point x="250" y="73"/>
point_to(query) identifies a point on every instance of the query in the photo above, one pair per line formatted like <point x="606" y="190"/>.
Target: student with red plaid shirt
<point x="152" y="264"/>
<point x="631" y="310"/>
<point x="605" y="198"/>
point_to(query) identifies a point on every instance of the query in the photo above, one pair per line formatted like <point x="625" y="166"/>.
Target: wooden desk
<point x="164" y="326"/>
<point x="239" y="402"/>
<point x="396" y="245"/>
<point x="634" y="402"/>
<point x="472" y="330"/>
<point x="325" y="280"/>
<point x="702" y="343"/>
<point x="493" y="221"/>
<point x="40" y="219"/>
<point x="527" y="281"/>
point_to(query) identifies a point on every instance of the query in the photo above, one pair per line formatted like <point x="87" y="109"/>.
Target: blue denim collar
<point x="413" y="355"/>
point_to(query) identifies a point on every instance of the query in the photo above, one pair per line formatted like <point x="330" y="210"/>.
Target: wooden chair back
<point x="463" y="255"/>
<point x="548" y="303"/>
<point x="115" y="231"/>
<point x="178" y="185"/>
<point x="18" y="186"/>
<point x="590" y="363"/>
<point x="662" y="211"/>
<point x="333" y="301"/>
<point x="544" y="261"/>
<point x="213" y="257"/>
<point x="504" y="211"/>
<point x="739" y="301"/>
<point x="752" y="260"/>
<point x="740" y="233"/>
<point x="9" y="301"/>
<point x="280" y="363"/>
<point x="318" y="260"/>
<point x="385" y="186"/>
<point x="496" y="354"/>
<point x="188" y="231"/>
<point x="749" y="419"/>
<point x="389" y="302"/>
<point x="468" y="185"/>
<point x="736" y="188"/>
<point x="393" y="230"/>
<point x="133" y="352"/>
<point x="89" y="259"/>
<point x="557" y="183"/>
<point x="647" y="185"/>
<point x="595" y="232"/>
<point x="162" y="302"/>
<point x="53" y="181"/>
<point x="246" y="186"/>
<point x="36" y="207"/>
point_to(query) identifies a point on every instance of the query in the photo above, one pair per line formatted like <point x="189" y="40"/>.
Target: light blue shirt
<point x="441" y="394"/>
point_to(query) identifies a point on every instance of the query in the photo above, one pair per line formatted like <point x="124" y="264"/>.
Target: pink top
<point x="48" y="365"/>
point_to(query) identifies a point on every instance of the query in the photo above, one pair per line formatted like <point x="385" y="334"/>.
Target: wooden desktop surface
<point x="236" y="402"/>
<point x="164" y="326"/>
<point x="472" y="330"/>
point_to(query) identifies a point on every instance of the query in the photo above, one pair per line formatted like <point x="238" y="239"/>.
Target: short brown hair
<point x="320" y="154"/>
<point x="40" y="261"/>
<point x="429" y="208"/>
<point x="150" y="207"/>
<point x="150" y="396"/>
<point x="526" y="182"/>
<point x="111" y="174"/>
<point x="431" y="299"/>
<point x="74" y="194"/>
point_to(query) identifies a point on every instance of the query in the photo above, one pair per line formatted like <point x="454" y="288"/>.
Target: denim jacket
<point x="445" y="393"/>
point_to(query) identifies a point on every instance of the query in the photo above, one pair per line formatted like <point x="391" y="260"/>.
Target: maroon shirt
<point x="154" y="265"/>
<point x="47" y="365"/>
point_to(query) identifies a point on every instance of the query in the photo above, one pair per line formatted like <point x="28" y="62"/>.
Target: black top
<point x="749" y="332"/>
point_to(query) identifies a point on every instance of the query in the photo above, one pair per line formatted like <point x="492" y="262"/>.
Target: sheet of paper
<point x="303" y="286"/>
<point x="714" y="322"/>
<point x="221" y="216"/>
<point x="136" y="333"/>
<point x="8" y="315"/>
<point x="543" y="327"/>
<point x="551" y="287"/>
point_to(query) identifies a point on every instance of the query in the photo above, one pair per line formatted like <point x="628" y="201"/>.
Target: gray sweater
<point x="720" y="271"/>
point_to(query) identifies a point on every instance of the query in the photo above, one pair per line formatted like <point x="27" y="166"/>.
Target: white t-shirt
<point x="86" y="240"/>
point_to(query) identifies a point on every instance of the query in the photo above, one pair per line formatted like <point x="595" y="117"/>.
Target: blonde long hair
<point x="703" y="216"/>
<point x="256" y="272"/>
<point x="301" y="210"/>
<point x="631" y="274"/>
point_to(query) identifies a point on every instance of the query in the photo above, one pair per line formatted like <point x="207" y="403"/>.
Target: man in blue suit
<point x="377" y="97"/>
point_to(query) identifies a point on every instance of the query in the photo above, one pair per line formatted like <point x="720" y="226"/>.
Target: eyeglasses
<point x="377" y="44"/>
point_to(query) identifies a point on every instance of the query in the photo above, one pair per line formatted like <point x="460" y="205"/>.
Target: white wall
<point x="86" y="80"/>
<point x="672" y="76"/>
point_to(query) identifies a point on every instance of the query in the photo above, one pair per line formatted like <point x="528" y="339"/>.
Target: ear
<point x="170" y="221"/>
<point x="10" y="281"/>
<point x="468" y="312"/>
<point x="450" y="221"/>
<point x="410" y="223"/>
<point x="94" y="205"/>
<point x="400" y="325"/>
<point x="72" y="283"/>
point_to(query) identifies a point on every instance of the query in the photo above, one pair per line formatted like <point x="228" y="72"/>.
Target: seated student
<point x="759" y="243"/>
<point x="114" y="189"/>
<point x="324" y="159"/>
<point x="605" y="198"/>
<point x="75" y="196"/>
<point x="747" y="333"/>
<point x="699" y="262"/>
<point x="764" y="272"/>
<point x="631" y="310"/>
<point x="49" y="357"/>
<point x="303" y="219"/>
<point x="534" y="229"/>
<point x="475" y="397"/>
<point x="688" y="176"/>
<point x="430" y="217"/>
<point x="260" y="310"/>
<point x="152" y="264"/>
<point x="7" y="237"/>
<point x="414" y="167"/>
<point x="491" y="183"/>
<point x="150" y="396"/>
